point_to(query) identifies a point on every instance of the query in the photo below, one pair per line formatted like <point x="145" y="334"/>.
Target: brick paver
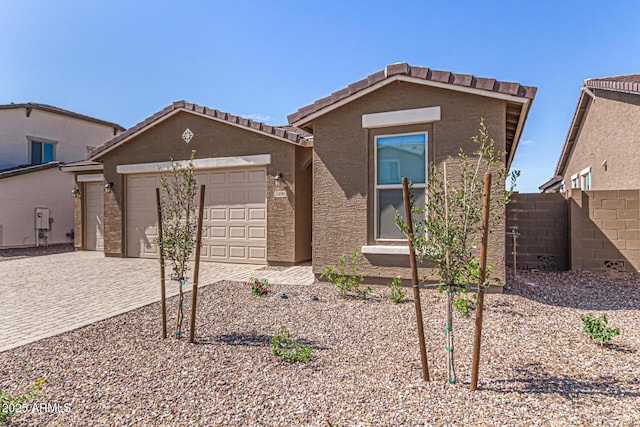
<point x="47" y="295"/>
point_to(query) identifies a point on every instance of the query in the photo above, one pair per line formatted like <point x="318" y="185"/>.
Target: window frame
<point x="575" y="183"/>
<point x="585" y="179"/>
<point x="42" y="142"/>
<point x="377" y="187"/>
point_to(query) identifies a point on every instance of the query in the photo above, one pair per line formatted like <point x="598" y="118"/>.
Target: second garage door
<point x="235" y="227"/>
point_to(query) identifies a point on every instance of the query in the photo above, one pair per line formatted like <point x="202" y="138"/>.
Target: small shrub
<point x="9" y="405"/>
<point x="463" y="305"/>
<point x="259" y="286"/>
<point x="395" y="293"/>
<point x="596" y="328"/>
<point x="289" y="349"/>
<point x="347" y="284"/>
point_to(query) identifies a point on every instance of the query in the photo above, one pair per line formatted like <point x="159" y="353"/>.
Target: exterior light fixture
<point x="107" y="187"/>
<point x="75" y="192"/>
<point x="278" y="179"/>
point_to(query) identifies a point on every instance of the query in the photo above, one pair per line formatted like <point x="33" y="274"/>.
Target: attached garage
<point x="258" y="185"/>
<point x="235" y="223"/>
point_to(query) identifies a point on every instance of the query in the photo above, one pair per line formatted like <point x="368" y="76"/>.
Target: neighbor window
<point x="574" y="181"/>
<point x="562" y="187"/>
<point x="41" y="152"/>
<point x="397" y="156"/>
<point x="585" y="179"/>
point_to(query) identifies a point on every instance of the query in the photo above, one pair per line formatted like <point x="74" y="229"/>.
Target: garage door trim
<point x="209" y="163"/>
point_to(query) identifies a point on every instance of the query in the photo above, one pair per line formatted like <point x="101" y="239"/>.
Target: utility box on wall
<point x="42" y="219"/>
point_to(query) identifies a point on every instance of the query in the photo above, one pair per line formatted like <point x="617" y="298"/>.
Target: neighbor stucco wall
<point x="20" y="195"/>
<point x="344" y="169"/>
<point x="211" y="139"/>
<point x="611" y="132"/>
<point x="72" y="135"/>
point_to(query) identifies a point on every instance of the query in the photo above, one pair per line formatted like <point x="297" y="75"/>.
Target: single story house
<point x="329" y="181"/>
<point x="257" y="177"/>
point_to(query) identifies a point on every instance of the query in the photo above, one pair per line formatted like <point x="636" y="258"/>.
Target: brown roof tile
<point x="623" y="83"/>
<point x="465" y="80"/>
<point x="291" y="135"/>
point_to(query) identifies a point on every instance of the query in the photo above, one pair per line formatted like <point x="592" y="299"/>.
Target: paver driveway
<point x="48" y="295"/>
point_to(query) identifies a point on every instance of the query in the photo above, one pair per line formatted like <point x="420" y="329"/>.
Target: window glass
<point x="47" y="153"/>
<point x="390" y="202"/>
<point x="36" y="153"/>
<point x="400" y="156"/>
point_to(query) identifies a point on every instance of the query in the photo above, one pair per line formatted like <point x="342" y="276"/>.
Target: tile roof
<point x="23" y="169"/>
<point x="283" y="132"/>
<point x="623" y="83"/>
<point x="52" y="109"/>
<point x="423" y="73"/>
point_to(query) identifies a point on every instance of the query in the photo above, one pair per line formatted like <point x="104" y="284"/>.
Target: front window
<point x="41" y="152"/>
<point x="398" y="156"/>
<point x="574" y="181"/>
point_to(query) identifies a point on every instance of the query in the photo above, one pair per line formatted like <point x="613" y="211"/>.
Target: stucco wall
<point x="611" y="132"/>
<point x="71" y="134"/>
<point x="20" y="195"/>
<point x="344" y="172"/>
<point x="211" y="139"/>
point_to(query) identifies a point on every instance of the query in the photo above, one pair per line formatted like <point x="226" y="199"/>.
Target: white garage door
<point x="235" y="227"/>
<point x="94" y="233"/>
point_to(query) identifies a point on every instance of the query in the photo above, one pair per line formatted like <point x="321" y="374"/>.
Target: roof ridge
<point x="58" y="110"/>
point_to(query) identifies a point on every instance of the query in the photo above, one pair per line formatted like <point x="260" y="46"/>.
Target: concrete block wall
<point x="542" y="225"/>
<point x="605" y="230"/>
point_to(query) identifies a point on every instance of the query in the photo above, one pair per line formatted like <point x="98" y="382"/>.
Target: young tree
<point x="179" y="225"/>
<point x="448" y="231"/>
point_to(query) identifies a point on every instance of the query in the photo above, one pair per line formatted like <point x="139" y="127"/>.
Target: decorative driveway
<point x="47" y="295"/>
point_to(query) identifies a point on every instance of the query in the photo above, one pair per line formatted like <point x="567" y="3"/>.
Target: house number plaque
<point x="280" y="193"/>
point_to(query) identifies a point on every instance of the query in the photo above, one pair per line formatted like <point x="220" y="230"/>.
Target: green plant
<point x="259" y="286"/>
<point x="347" y="284"/>
<point x="395" y="293"/>
<point x="179" y="225"/>
<point x="291" y="350"/>
<point x="9" y="405"/>
<point x="447" y="229"/>
<point x="597" y="330"/>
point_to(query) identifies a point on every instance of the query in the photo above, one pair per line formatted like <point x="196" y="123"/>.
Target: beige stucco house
<point x="36" y="207"/>
<point x="427" y="116"/>
<point x="257" y="177"/>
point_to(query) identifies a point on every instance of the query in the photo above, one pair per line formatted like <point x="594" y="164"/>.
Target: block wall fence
<point x="578" y="230"/>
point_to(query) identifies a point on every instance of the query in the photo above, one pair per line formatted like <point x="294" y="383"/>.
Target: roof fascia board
<point x="568" y="147"/>
<point x="72" y="168"/>
<point x="210" y="163"/>
<point x="524" y="112"/>
<point x="506" y="97"/>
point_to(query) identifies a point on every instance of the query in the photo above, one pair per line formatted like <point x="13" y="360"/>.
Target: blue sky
<point x="124" y="60"/>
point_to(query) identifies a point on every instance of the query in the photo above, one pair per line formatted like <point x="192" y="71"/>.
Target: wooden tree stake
<point x="196" y="270"/>
<point x="483" y="274"/>
<point x="414" y="280"/>
<point x="163" y="299"/>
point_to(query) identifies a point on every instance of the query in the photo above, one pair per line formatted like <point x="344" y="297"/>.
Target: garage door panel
<point x="234" y="215"/>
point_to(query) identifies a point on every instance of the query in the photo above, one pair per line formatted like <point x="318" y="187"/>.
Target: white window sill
<point x="385" y="250"/>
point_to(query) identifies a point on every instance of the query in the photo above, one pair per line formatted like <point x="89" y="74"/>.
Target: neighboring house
<point x="369" y="134"/>
<point x="602" y="148"/>
<point x="597" y="176"/>
<point x="257" y="177"/>
<point x="36" y="206"/>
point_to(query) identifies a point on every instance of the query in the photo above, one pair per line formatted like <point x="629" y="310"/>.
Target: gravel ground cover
<point x="538" y="367"/>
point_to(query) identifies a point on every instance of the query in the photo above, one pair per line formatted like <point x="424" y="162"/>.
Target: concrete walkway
<point x="47" y="295"/>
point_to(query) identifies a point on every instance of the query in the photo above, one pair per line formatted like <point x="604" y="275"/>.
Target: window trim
<point x="377" y="187"/>
<point x="583" y="175"/>
<point x="575" y="177"/>
<point x="32" y="139"/>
